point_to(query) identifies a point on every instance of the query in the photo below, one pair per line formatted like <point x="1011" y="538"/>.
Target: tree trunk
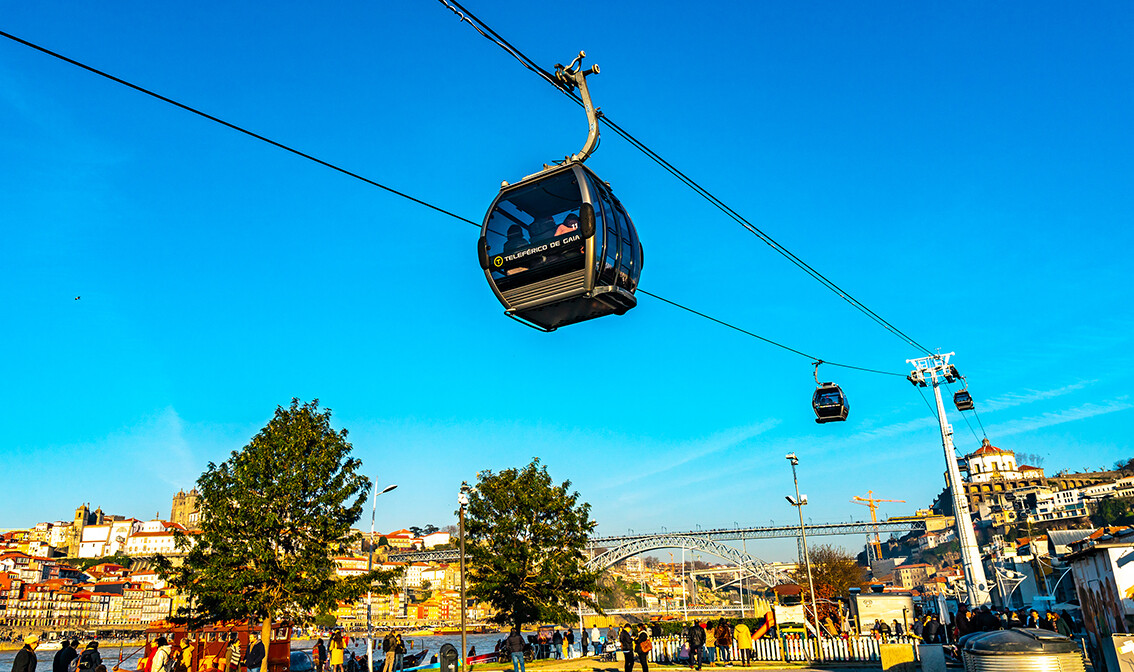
<point x="266" y="638"/>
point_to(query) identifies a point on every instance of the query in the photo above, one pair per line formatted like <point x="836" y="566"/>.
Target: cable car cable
<point x="234" y="127"/>
<point x="466" y="16"/>
<point x="759" y="337"/>
<point x="396" y="192"/>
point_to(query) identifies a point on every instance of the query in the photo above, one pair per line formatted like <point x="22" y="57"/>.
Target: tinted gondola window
<point x="533" y="233"/>
<point x="628" y="251"/>
<point x="612" y="239"/>
<point x="831" y="398"/>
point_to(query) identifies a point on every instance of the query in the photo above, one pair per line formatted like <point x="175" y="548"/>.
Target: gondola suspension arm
<point x="574" y="76"/>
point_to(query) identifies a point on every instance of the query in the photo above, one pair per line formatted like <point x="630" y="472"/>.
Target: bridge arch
<point x="761" y="570"/>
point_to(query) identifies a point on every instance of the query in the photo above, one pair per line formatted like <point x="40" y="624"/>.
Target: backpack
<point x="86" y="659"/>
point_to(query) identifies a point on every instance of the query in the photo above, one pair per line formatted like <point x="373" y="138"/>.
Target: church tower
<point x="184" y="509"/>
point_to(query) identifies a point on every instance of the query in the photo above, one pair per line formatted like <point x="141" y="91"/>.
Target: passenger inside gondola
<point x="535" y="220"/>
<point x="570" y="223"/>
<point x="831" y="398"/>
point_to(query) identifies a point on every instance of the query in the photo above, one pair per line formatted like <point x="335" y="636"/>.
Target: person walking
<point x="65" y="655"/>
<point x="256" y="653"/>
<point x="642" y="647"/>
<point x="724" y="641"/>
<point x="162" y="659"/>
<point x="515" y="646"/>
<point x="25" y="658"/>
<point x="319" y="655"/>
<point x="695" y="638"/>
<point x="336" y="652"/>
<point x="184" y="655"/>
<point x="626" y="641"/>
<point x="90" y="658"/>
<point x="388" y="652"/>
<point x="596" y="639"/>
<point x="399" y="652"/>
<point x="710" y="642"/>
<point x="232" y="654"/>
<point x="743" y="638"/>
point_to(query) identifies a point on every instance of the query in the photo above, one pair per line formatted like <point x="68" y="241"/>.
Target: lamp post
<point x="370" y="568"/>
<point x="463" y="501"/>
<point x="798" y="503"/>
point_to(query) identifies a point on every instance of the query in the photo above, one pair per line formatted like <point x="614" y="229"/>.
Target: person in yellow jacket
<point x="743" y="638"/>
<point x="336" y="652"/>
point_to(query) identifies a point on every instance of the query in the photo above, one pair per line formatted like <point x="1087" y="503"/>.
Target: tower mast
<point x="934" y="370"/>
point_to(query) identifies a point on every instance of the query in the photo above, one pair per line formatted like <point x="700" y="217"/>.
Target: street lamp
<point x="370" y="568"/>
<point x="799" y="502"/>
<point x="463" y="501"/>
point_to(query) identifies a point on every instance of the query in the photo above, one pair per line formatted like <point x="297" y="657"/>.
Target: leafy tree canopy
<point x="273" y="516"/>
<point x="525" y="538"/>
<point x="834" y="572"/>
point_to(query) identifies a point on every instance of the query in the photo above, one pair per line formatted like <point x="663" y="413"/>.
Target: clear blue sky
<point x="963" y="169"/>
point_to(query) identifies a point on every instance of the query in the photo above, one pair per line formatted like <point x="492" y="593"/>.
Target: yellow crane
<point x="872" y="502"/>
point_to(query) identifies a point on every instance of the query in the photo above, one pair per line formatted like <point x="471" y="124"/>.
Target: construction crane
<point x="872" y="502"/>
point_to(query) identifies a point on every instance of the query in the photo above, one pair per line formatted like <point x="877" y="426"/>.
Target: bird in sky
<point x="78" y="297"/>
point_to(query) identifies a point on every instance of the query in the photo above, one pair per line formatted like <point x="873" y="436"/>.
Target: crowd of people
<point x="67" y="659"/>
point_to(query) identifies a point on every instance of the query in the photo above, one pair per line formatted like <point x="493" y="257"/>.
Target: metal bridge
<point x="609" y="551"/>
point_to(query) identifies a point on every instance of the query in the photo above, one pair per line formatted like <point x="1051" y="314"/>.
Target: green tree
<point x="1112" y="511"/>
<point x="272" y="518"/>
<point x="524" y="539"/>
<point x="834" y="572"/>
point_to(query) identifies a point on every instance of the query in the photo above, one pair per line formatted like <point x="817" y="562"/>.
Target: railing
<point x="855" y="648"/>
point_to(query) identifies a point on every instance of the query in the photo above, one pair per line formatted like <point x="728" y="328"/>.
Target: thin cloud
<point x="1059" y="417"/>
<point x="1020" y="398"/>
<point x="696" y="450"/>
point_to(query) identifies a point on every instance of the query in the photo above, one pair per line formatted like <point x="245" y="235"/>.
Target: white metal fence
<point x="862" y="648"/>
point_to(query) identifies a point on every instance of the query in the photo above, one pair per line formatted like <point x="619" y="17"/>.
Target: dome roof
<point x="986" y="448"/>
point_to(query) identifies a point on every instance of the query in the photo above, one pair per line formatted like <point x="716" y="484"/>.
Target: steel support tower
<point x="932" y="371"/>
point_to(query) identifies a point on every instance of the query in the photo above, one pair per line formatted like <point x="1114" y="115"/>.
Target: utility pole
<point x="370" y="568"/>
<point x="932" y="371"/>
<point x="799" y="503"/>
<point x="463" y="501"/>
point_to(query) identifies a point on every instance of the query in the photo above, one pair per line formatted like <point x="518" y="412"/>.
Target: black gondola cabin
<point x="558" y="248"/>
<point x="963" y="400"/>
<point x="829" y="403"/>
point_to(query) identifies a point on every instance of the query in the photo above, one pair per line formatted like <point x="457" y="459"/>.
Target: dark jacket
<point x="626" y="640"/>
<point x="1061" y="627"/>
<point x="25" y="660"/>
<point x="255" y="656"/>
<point x="695" y="636"/>
<point x="515" y="643"/>
<point x="63" y="658"/>
<point x="388" y="644"/>
<point x="642" y="638"/>
<point x="90" y="658"/>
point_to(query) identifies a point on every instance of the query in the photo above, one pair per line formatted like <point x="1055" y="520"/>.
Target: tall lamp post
<point x="370" y="568"/>
<point x="799" y="503"/>
<point x="463" y="501"/>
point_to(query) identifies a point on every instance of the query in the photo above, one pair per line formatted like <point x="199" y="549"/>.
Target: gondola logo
<point x="498" y="261"/>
